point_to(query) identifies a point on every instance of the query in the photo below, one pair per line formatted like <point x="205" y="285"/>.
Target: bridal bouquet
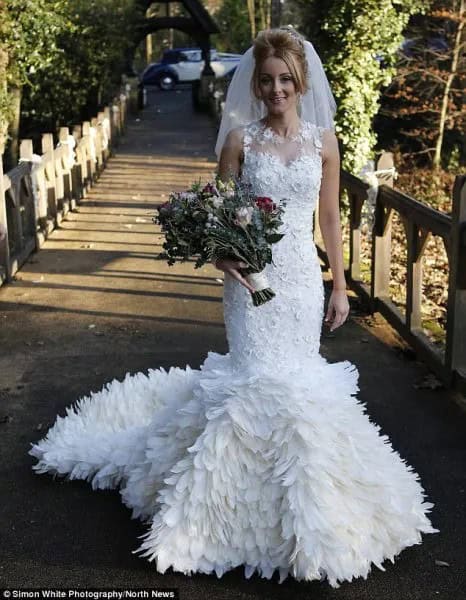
<point x="222" y="220"/>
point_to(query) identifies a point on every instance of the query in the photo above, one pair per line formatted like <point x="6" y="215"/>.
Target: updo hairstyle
<point x="287" y="44"/>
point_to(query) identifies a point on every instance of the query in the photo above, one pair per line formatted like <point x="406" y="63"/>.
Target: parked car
<point x="183" y="65"/>
<point x="412" y="46"/>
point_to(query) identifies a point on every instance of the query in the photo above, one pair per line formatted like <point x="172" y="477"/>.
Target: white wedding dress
<point x="263" y="457"/>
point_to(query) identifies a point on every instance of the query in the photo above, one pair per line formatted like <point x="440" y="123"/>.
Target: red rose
<point x="210" y="189"/>
<point x="266" y="204"/>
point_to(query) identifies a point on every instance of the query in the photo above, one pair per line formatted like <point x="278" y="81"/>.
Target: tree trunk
<point x="264" y="8"/>
<point x="276" y="13"/>
<point x="252" y="17"/>
<point x="13" y="147"/>
<point x="446" y="92"/>
<point x="170" y="31"/>
<point x="148" y="48"/>
<point x="3" y="94"/>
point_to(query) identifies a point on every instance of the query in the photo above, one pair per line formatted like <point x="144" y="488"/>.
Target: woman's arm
<point x="230" y="158"/>
<point x="330" y="226"/>
<point x="229" y="165"/>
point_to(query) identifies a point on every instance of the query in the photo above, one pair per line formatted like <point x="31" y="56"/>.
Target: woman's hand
<point x="338" y="309"/>
<point x="232" y="268"/>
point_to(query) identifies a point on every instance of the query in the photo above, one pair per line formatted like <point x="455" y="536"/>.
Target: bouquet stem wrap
<point x="262" y="290"/>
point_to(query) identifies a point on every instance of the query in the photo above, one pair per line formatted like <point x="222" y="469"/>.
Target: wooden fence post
<point x="89" y="147"/>
<point x="97" y="145"/>
<point x="103" y="137"/>
<point x="59" y="184"/>
<point x="381" y="237"/>
<point x="131" y="88"/>
<point x="26" y="150"/>
<point x="115" y="123"/>
<point x="416" y="239"/>
<point x="21" y="226"/>
<point x="356" y="203"/>
<point x="65" y="168"/>
<point x="42" y="225"/>
<point x="385" y="169"/>
<point x="123" y="104"/>
<point x="110" y="132"/>
<point x="4" y="246"/>
<point x="49" y="168"/>
<point x="77" y="174"/>
<point x="27" y="204"/>
<point x="455" y="352"/>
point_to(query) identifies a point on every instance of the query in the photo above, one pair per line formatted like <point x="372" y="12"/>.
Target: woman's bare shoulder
<point x="231" y="157"/>
<point x="233" y="144"/>
<point x="330" y="148"/>
<point x="235" y="137"/>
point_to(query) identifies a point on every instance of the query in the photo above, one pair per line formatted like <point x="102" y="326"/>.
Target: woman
<point x="276" y="88"/>
<point x="263" y="457"/>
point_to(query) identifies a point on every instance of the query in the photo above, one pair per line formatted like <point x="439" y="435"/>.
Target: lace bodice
<point x="284" y="332"/>
<point x="284" y="166"/>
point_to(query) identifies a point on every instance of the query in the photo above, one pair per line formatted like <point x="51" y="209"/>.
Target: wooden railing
<point x="420" y="222"/>
<point x="37" y="194"/>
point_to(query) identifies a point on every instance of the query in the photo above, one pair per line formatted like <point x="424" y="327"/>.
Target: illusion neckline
<point x="267" y="131"/>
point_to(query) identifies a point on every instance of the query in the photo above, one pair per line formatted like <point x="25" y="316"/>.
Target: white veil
<point x="241" y="106"/>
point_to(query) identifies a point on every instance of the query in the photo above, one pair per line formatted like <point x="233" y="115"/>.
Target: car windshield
<point x="196" y="55"/>
<point x="174" y="56"/>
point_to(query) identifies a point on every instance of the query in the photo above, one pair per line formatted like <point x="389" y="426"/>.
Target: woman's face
<point x="276" y="86"/>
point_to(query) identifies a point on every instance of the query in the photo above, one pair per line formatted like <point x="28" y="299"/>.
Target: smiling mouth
<point x="277" y="100"/>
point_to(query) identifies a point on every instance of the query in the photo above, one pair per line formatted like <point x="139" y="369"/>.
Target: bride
<point x="262" y="457"/>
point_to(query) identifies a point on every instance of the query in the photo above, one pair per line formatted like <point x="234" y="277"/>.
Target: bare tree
<point x="458" y="47"/>
<point x="252" y="17"/>
<point x="276" y="13"/>
<point x="426" y="98"/>
<point x="263" y="14"/>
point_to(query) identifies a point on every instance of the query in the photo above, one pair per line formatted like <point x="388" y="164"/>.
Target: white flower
<point x="217" y="202"/>
<point x="187" y="195"/>
<point x="244" y="215"/>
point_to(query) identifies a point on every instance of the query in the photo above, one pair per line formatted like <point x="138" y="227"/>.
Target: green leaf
<point x="272" y="238"/>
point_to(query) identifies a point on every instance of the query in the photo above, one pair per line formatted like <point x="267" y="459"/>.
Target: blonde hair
<point x="284" y="43"/>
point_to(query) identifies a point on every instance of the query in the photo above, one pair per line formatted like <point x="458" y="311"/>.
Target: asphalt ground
<point x="96" y="303"/>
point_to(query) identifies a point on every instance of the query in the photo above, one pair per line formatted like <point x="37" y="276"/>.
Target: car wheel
<point x="166" y="82"/>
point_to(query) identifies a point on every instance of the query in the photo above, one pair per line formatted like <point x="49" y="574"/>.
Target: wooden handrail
<point x="37" y="194"/>
<point x="436" y="222"/>
<point x="420" y="221"/>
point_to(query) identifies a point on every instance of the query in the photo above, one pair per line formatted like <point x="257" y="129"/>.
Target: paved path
<point x="95" y="303"/>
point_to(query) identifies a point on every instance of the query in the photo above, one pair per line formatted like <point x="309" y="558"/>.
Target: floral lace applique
<point x="282" y="333"/>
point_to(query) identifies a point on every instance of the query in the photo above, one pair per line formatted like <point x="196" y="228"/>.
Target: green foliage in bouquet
<point x="183" y="220"/>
